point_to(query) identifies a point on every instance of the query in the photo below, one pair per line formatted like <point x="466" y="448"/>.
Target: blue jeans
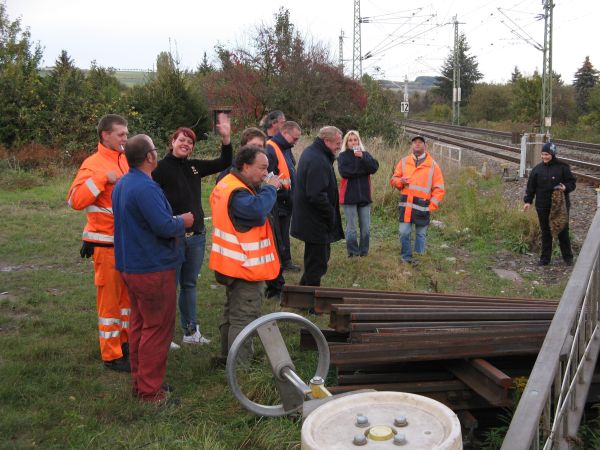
<point x="187" y="275"/>
<point x="362" y="214"/>
<point x="405" y="241"/>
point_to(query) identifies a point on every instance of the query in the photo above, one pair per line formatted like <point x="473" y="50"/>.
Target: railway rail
<point x="581" y="168"/>
<point x="590" y="147"/>
<point x="418" y="342"/>
<point x="464" y="351"/>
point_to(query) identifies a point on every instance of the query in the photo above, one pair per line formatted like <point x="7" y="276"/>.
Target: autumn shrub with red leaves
<point x="35" y="156"/>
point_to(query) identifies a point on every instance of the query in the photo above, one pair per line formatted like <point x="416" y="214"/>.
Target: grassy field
<point x="55" y="392"/>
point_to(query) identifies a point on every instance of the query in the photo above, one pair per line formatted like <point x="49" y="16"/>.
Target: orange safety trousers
<point x="112" y="303"/>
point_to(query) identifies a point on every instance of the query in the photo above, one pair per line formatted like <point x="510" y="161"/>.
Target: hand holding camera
<point x="273" y="180"/>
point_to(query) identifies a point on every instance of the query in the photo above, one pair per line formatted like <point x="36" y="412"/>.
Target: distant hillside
<point x="128" y="78"/>
<point x="132" y="78"/>
<point x="420" y="84"/>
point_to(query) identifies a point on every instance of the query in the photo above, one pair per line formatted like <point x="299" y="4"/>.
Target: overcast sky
<point x="405" y="38"/>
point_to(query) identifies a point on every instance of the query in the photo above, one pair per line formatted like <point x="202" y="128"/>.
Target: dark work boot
<point x="119" y="365"/>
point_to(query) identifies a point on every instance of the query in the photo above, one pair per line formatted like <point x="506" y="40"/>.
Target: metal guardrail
<point x="550" y="409"/>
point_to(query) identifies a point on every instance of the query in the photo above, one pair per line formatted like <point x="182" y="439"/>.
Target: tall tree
<point x="205" y="67"/>
<point x="469" y="72"/>
<point x="166" y="102"/>
<point x="591" y="120"/>
<point x="65" y="99"/>
<point x="281" y="71"/>
<point x="585" y="79"/>
<point x="490" y="102"/>
<point x="381" y="115"/>
<point x="527" y="95"/>
<point x="515" y="75"/>
<point x="20" y="102"/>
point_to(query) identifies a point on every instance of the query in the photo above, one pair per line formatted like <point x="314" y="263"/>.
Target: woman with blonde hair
<point x="356" y="165"/>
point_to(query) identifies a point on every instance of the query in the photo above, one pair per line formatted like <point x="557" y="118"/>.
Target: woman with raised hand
<point x="180" y="178"/>
<point x="356" y="165"/>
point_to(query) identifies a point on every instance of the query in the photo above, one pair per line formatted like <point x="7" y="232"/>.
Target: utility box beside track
<point x="531" y="148"/>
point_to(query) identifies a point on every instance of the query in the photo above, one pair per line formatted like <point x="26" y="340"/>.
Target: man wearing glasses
<point x="146" y="254"/>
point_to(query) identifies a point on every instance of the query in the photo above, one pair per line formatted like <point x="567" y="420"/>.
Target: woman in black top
<point x="356" y="165"/>
<point x="180" y="178"/>
<point x="548" y="176"/>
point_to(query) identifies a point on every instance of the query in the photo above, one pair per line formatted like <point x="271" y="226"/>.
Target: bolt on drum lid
<point x="395" y="419"/>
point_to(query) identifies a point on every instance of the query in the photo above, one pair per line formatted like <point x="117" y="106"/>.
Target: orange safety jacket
<point x="250" y="255"/>
<point x="284" y="171"/>
<point x="92" y="191"/>
<point x="425" y="190"/>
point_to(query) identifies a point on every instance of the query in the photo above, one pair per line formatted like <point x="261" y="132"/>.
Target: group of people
<point x="146" y="233"/>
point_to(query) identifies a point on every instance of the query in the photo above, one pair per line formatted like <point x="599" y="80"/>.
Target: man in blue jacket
<point x="147" y="257"/>
<point x="316" y="219"/>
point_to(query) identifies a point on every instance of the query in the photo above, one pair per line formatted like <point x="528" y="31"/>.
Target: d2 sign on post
<point x="404" y="107"/>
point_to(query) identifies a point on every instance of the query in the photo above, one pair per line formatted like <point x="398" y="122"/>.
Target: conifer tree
<point x="20" y="103"/>
<point x="585" y="79"/>
<point x="515" y="75"/>
<point x="469" y="72"/>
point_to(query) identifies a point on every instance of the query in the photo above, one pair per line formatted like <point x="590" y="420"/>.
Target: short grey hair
<point x="329" y="132"/>
<point x="137" y="148"/>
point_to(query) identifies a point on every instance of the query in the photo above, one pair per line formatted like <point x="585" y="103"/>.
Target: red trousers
<point x="112" y="303"/>
<point x="153" y="299"/>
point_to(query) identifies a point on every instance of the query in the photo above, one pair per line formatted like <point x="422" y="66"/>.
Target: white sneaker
<point x="174" y="346"/>
<point x="196" y="338"/>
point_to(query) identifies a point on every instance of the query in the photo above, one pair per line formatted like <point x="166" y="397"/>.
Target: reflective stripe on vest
<point x="246" y="262"/>
<point x="108" y="321"/>
<point x="413" y="205"/>
<point x="284" y="171"/>
<point x="98" y="209"/>
<point x="109" y="334"/>
<point x="92" y="187"/>
<point x="249" y="255"/>
<point x="248" y="246"/>
<point x="98" y="237"/>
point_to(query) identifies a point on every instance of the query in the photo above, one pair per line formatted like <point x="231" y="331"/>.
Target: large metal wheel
<point x="279" y="358"/>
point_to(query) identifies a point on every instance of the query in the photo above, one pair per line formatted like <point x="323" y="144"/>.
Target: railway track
<point x="589" y="147"/>
<point x="462" y="350"/>
<point x="585" y="170"/>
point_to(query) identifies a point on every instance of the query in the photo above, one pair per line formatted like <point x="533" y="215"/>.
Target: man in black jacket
<point x="316" y="218"/>
<point x="283" y="164"/>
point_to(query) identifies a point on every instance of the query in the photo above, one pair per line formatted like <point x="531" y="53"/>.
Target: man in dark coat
<point x="316" y="218"/>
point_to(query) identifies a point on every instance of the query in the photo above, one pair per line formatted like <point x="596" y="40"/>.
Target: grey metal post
<point x="356" y="48"/>
<point x="523" y="160"/>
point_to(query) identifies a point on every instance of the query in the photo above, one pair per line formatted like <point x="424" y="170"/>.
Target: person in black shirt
<point x="180" y="178"/>
<point x="548" y="176"/>
<point x="356" y="165"/>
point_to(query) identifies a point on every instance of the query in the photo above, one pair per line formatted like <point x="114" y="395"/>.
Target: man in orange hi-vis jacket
<point x="243" y="253"/>
<point x="91" y="191"/>
<point x="421" y="184"/>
